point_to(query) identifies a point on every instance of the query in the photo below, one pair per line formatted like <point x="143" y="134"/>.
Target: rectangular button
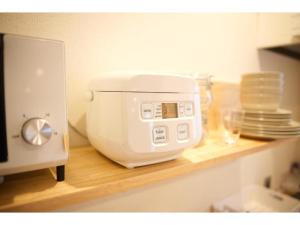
<point x="181" y="109"/>
<point x="188" y="109"/>
<point x="159" y="135"/>
<point x="147" y="111"/>
<point x="183" y="131"/>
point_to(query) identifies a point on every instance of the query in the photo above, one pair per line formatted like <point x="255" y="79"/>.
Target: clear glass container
<point x="206" y="99"/>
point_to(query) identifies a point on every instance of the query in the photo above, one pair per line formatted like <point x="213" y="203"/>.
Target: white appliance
<point x="143" y="119"/>
<point x="33" y="105"/>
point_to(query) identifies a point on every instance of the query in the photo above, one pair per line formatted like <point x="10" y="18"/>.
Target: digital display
<point x="169" y="110"/>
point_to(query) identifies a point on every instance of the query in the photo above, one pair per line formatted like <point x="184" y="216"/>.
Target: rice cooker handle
<point x="89" y="96"/>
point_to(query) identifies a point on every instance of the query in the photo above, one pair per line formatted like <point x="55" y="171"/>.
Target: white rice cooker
<point x="143" y="119"/>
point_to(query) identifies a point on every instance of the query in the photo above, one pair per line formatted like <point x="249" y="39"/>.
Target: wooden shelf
<point x="89" y="175"/>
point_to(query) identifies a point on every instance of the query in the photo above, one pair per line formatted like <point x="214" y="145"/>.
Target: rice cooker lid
<point x="145" y="83"/>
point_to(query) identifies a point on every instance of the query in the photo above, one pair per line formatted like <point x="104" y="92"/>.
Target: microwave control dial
<point x="36" y="131"/>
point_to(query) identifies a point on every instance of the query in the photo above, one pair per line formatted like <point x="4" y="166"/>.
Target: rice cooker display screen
<point x="169" y="110"/>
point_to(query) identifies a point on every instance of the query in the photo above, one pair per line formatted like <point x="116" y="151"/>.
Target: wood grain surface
<point x="89" y="175"/>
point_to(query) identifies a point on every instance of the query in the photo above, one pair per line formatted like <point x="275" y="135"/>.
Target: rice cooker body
<point x="136" y="128"/>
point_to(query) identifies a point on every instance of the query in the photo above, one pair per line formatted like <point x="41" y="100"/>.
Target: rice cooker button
<point x="188" y="109"/>
<point x="159" y="135"/>
<point x="181" y="109"/>
<point x="183" y="131"/>
<point x="147" y="111"/>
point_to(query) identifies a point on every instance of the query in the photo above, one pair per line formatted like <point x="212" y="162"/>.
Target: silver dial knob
<point x="36" y="131"/>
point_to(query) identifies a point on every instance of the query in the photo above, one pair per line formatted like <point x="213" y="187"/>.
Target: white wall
<point x="221" y="44"/>
<point x="277" y="29"/>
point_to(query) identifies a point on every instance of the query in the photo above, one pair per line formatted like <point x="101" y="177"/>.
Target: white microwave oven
<point x="33" y="119"/>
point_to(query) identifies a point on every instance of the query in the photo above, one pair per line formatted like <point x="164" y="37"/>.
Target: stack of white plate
<point x="260" y="99"/>
<point x="269" y="124"/>
<point x="262" y="91"/>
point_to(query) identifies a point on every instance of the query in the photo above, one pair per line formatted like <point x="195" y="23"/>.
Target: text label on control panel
<point x="183" y="131"/>
<point x="147" y="111"/>
<point x="159" y="135"/>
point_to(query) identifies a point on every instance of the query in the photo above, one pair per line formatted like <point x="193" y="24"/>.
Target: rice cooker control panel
<point x="163" y="111"/>
<point x="160" y="110"/>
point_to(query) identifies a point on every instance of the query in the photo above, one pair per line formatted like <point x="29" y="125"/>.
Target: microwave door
<point x="3" y="140"/>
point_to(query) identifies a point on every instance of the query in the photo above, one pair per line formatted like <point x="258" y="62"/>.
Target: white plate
<point x="269" y="105"/>
<point x="267" y="115"/>
<point x="272" y="114"/>
<point x="281" y="133"/>
<point x="283" y="121"/>
<point x="274" y="132"/>
<point x="293" y="126"/>
<point x="270" y="83"/>
<point x="263" y="75"/>
<point x="266" y="136"/>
